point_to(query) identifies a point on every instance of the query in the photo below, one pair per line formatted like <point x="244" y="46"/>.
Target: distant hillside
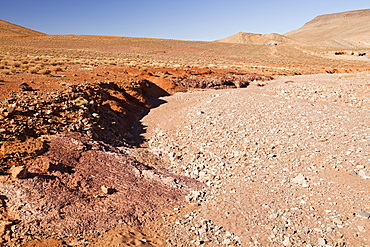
<point x="10" y="29"/>
<point x="346" y="29"/>
<point x="257" y="39"/>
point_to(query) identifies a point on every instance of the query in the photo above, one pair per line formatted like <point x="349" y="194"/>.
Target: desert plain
<point x="250" y="140"/>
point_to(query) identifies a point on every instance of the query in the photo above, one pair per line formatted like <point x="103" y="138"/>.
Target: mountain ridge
<point x="343" y="29"/>
<point x="349" y="29"/>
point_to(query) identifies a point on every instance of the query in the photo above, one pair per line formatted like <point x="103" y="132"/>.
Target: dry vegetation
<point x="49" y="52"/>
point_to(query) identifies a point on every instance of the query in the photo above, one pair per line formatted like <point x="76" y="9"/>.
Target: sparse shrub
<point x="63" y="83"/>
<point x="24" y="66"/>
<point x="56" y="69"/>
<point x="45" y="72"/>
<point x="39" y="67"/>
<point x="34" y="70"/>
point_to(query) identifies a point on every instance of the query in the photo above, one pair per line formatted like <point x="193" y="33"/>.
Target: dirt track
<point x="286" y="162"/>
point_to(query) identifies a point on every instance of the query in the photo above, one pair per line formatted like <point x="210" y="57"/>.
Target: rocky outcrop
<point x="218" y="82"/>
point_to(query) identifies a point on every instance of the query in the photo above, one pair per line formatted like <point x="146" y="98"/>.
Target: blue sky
<point x="172" y="19"/>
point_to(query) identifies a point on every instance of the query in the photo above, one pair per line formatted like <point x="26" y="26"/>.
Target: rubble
<point x="277" y="165"/>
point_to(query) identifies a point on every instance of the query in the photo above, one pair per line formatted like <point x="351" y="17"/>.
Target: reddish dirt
<point x="80" y="188"/>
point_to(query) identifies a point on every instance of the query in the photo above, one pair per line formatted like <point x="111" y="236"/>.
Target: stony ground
<point x="286" y="162"/>
<point x="277" y="157"/>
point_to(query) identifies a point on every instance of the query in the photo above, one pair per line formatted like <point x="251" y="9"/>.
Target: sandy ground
<point x="286" y="162"/>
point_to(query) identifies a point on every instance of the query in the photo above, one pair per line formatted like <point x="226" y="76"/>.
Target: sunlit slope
<point x="10" y="29"/>
<point x="346" y="29"/>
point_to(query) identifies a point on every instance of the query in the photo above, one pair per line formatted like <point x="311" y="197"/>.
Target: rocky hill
<point x="10" y="29"/>
<point x="346" y="29"/>
<point x="258" y="39"/>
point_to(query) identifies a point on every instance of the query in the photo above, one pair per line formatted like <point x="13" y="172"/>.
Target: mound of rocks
<point x="103" y="111"/>
<point x="82" y="188"/>
<point x="218" y="82"/>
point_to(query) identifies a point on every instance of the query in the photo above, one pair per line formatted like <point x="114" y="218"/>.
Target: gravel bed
<point x="286" y="162"/>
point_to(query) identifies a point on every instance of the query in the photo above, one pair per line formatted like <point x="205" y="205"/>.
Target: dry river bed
<point x="286" y="162"/>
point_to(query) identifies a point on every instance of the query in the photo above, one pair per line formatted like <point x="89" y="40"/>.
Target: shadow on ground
<point x="138" y="129"/>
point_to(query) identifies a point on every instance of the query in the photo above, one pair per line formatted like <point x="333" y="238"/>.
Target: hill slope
<point x="257" y="39"/>
<point x="346" y="29"/>
<point x="10" y="29"/>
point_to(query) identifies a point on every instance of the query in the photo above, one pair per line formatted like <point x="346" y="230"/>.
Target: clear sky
<point x="205" y="20"/>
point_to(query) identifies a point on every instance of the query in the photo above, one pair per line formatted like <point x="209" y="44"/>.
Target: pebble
<point x="321" y="242"/>
<point x="300" y="179"/>
<point x="363" y="214"/>
<point x="107" y="190"/>
<point x="18" y="172"/>
<point x="337" y="221"/>
<point x="273" y="216"/>
<point x="286" y="241"/>
<point x="363" y="174"/>
<point x="81" y="101"/>
<point x="353" y="173"/>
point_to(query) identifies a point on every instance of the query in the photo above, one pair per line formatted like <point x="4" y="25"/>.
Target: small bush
<point x="45" y="72"/>
<point x="34" y="70"/>
<point x="56" y="69"/>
